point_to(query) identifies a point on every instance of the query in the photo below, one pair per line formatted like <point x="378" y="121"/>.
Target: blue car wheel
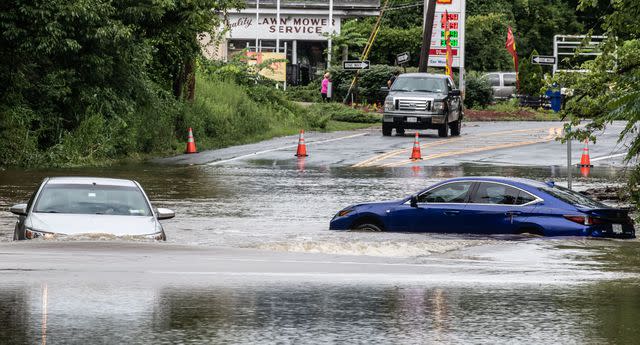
<point x="367" y="227"/>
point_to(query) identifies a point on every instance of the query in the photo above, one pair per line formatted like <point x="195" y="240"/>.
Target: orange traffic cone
<point x="585" y="161"/>
<point x="191" y="143"/>
<point x="302" y="148"/>
<point x="415" y="154"/>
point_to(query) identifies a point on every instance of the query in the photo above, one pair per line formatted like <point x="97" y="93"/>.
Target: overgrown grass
<point x="223" y="114"/>
<point x="226" y="114"/>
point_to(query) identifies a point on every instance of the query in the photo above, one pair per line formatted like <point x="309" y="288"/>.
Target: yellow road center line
<point x="548" y="138"/>
<point x="371" y="161"/>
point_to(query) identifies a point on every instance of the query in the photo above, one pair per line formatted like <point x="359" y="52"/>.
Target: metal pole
<point x="429" y="13"/>
<point x="462" y="24"/>
<point x="285" y="67"/>
<point x="330" y="33"/>
<point x="569" y="167"/>
<point x="555" y="54"/>
<point x="278" y="26"/>
<point x="257" y="23"/>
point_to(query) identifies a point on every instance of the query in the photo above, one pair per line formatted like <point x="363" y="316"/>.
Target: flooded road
<point x="249" y="259"/>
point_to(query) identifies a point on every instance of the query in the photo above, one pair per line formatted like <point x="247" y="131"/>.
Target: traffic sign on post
<point x="355" y="64"/>
<point x="403" y="58"/>
<point x="543" y="60"/>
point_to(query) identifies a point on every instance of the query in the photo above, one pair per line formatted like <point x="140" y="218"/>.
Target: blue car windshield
<point x="419" y="84"/>
<point x="92" y="199"/>
<point x="573" y="198"/>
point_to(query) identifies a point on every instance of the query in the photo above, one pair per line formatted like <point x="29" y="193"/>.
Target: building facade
<point x="302" y="32"/>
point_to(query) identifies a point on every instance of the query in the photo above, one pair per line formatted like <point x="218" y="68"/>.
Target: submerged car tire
<point x="368" y="227"/>
<point x="400" y="132"/>
<point x="530" y="230"/>
<point x="386" y="130"/>
<point x="18" y="235"/>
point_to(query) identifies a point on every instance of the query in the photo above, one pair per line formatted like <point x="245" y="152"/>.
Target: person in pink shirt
<point x="325" y="87"/>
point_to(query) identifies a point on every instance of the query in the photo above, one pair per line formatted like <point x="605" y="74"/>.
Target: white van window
<point x="494" y="79"/>
<point x="509" y="79"/>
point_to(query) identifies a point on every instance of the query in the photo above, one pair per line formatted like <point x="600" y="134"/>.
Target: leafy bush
<point x="340" y="112"/>
<point x="369" y="83"/>
<point x="477" y="90"/>
<point x="306" y="93"/>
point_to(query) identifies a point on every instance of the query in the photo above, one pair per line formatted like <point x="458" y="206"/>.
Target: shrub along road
<point x="496" y="143"/>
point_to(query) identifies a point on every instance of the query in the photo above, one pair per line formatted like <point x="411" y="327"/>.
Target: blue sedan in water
<point x="491" y="205"/>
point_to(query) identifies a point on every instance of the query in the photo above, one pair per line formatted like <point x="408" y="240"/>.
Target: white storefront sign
<point x="438" y="51"/>
<point x="292" y="27"/>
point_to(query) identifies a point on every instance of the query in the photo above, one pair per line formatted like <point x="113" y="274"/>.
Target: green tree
<point x="531" y="76"/>
<point x="610" y="90"/>
<point x="73" y="66"/>
<point x="485" y="37"/>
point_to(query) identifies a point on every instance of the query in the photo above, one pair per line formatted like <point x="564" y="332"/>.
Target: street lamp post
<point x="330" y="33"/>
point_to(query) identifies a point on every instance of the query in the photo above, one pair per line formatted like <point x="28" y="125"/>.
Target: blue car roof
<point x="516" y="181"/>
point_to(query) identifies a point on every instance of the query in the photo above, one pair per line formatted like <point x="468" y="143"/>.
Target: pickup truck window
<point x="419" y="84"/>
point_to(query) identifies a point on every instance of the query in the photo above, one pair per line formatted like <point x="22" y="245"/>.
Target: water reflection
<point x="15" y="325"/>
<point x="320" y="314"/>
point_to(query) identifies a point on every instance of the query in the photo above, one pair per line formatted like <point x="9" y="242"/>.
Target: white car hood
<point x="73" y="224"/>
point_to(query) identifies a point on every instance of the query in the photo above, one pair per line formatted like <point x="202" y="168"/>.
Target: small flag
<point x="447" y="40"/>
<point x="511" y="48"/>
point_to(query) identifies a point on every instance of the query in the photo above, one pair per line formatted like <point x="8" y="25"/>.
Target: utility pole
<point x="257" y="24"/>
<point x="278" y="26"/>
<point x="429" y="14"/>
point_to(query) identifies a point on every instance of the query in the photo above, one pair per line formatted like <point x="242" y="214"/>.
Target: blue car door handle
<point x="511" y="214"/>
<point x="451" y="213"/>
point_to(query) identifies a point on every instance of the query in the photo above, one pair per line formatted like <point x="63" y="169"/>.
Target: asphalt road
<point x="493" y="143"/>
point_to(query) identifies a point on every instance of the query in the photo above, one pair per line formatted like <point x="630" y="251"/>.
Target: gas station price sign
<point x="437" y="52"/>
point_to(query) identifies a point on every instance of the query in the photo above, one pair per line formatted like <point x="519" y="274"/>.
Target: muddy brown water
<point x="506" y="290"/>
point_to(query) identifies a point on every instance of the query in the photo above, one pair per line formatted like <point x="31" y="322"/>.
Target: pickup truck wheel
<point x="400" y="132"/>
<point x="456" y="127"/>
<point x="443" y="131"/>
<point x="386" y="130"/>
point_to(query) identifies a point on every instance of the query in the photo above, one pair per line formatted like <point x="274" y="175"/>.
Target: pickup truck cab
<point x="423" y="101"/>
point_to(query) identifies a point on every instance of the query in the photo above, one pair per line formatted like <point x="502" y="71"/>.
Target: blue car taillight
<point x="584" y="220"/>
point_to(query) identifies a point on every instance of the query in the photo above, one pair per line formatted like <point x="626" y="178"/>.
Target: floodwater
<point x="301" y="283"/>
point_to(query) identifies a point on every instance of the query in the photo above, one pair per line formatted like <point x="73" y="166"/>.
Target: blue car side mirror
<point x="414" y="201"/>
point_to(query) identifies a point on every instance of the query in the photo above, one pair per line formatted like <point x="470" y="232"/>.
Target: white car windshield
<point x="419" y="84"/>
<point x="92" y="199"/>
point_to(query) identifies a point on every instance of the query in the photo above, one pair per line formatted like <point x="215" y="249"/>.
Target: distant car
<point x="423" y="101"/>
<point x="503" y="84"/>
<point x="87" y="205"/>
<point x="491" y="205"/>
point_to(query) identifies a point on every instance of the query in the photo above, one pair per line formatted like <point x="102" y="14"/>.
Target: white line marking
<point x="607" y="157"/>
<point x="285" y="147"/>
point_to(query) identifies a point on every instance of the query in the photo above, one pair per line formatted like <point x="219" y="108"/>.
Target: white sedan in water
<point x="88" y="205"/>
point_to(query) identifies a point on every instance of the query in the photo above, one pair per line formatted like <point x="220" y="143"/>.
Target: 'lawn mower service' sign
<point x="292" y="26"/>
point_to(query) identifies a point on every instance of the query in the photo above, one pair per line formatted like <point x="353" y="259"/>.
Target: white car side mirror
<point x="19" y="209"/>
<point x="165" y="213"/>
